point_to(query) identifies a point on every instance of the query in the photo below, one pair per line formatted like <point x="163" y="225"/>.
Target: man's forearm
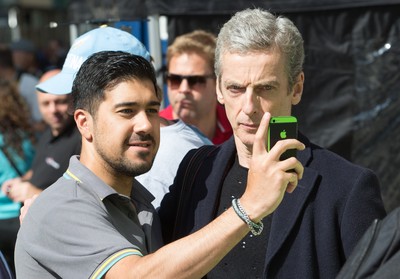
<point x="190" y="257"/>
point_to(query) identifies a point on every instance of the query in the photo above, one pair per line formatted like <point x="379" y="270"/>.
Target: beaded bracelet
<point x="255" y="228"/>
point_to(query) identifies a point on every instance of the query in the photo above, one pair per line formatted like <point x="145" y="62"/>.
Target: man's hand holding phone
<point x="269" y="177"/>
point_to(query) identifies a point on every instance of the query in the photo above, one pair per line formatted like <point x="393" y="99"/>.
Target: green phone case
<point x="282" y="127"/>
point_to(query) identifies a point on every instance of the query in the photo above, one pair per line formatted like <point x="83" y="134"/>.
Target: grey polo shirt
<point x="80" y="227"/>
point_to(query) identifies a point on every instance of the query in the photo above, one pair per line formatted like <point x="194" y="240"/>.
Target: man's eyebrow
<point x="267" y="82"/>
<point x="154" y="103"/>
<point x="131" y="104"/>
<point x="257" y="84"/>
<point x="232" y="83"/>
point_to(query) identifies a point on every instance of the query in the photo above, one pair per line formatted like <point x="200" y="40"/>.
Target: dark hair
<point x="15" y="123"/>
<point x="104" y="70"/>
<point x="6" y="61"/>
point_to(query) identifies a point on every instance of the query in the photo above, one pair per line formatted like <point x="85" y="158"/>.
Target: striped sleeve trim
<point x="113" y="259"/>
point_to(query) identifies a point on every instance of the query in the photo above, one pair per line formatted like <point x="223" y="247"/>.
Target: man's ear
<point x="220" y="97"/>
<point x="298" y="89"/>
<point x="84" y="122"/>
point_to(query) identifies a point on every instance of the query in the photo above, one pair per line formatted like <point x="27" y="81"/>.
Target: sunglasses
<point x="176" y="80"/>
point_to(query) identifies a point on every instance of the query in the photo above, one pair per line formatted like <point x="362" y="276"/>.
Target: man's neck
<point x="207" y="124"/>
<point x="244" y="153"/>
<point x="120" y="183"/>
<point x="208" y="129"/>
<point x="124" y="189"/>
<point x="61" y="130"/>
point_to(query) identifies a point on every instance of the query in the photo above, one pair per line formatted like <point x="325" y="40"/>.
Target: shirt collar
<point x="87" y="179"/>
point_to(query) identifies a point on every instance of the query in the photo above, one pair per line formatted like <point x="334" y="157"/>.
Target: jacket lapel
<point x="290" y="208"/>
<point x="206" y="208"/>
<point x="286" y="214"/>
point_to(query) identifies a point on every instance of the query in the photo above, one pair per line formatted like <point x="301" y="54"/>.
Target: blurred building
<point x="31" y="19"/>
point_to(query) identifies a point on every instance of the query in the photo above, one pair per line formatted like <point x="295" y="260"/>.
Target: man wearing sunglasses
<point x="191" y="86"/>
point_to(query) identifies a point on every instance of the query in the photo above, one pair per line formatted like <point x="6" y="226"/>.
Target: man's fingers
<point x="6" y="187"/>
<point x="290" y="187"/>
<point x="293" y="181"/>
<point x="22" y="214"/>
<point x="299" y="170"/>
<point x="283" y="145"/>
<point x="259" y="145"/>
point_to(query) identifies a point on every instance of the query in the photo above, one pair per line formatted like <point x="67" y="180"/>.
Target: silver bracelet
<point x="255" y="228"/>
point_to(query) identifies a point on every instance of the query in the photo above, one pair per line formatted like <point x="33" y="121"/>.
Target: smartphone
<point x="282" y="127"/>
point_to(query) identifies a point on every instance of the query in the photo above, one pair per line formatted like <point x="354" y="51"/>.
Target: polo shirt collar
<point x="89" y="180"/>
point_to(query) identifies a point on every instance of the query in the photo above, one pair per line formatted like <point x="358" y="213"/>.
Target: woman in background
<point x="16" y="155"/>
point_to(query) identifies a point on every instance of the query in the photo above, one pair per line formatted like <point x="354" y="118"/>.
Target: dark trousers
<point x="8" y="235"/>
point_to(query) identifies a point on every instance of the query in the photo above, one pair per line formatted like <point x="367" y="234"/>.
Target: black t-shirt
<point x="247" y="258"/>
<point x="53" y="154"/>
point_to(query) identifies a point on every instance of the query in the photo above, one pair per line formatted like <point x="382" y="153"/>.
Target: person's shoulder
<point x="47" y="204"/>
<point x="333" y="165"/>
<point x="330" y="157"/>
<point x="316" y="153"/>
<point x="202" y="153"/>
<point x="64" y="199"/>
<point x="192" y="133"/>
<point x="45" y="136"/>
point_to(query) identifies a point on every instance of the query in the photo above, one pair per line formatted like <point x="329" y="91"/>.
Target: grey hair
<point x="257" y="30"/>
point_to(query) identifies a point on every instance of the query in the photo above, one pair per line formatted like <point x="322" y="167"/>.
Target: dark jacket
<point x="313" y="230"/>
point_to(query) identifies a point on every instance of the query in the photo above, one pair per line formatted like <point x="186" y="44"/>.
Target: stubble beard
<point x="124" y="166"/>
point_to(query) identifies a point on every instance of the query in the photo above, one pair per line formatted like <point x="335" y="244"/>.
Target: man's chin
<point x="133" y="172"/>
<point x="246" y="139"/>
<point x="143" y="167"/>
<point x="188" y="117"/>
<point x="129" y="169"/>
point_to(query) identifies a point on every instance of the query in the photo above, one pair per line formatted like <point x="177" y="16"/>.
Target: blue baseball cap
<point x="96" y="40"/>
